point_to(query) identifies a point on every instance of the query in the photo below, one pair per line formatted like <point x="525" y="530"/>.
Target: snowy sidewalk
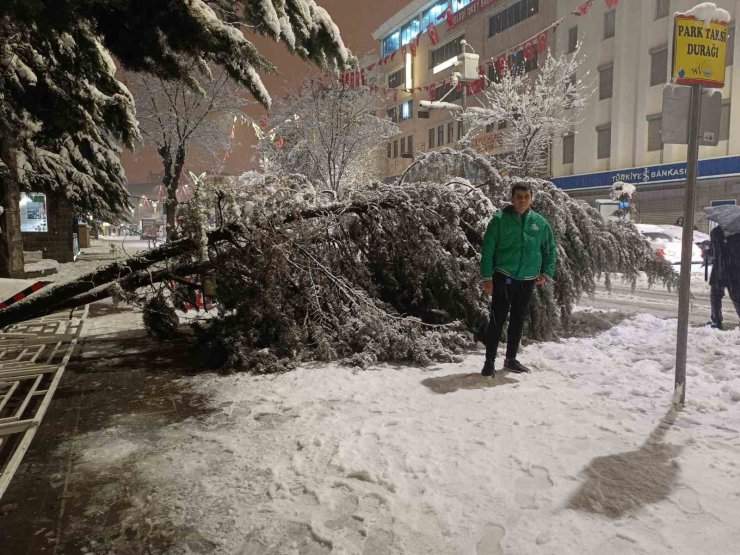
<point x="581" y="456"/>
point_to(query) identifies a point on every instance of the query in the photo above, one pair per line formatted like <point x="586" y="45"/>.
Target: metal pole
<point x="684" y="288"/>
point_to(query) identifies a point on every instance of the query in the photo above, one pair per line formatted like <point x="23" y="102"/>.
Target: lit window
<point x="410" y="31"/>
<point x="407" y="110"/>
<point x="391" y="43"/>
<point x="33" y="213"/>
<point x="433" y="14"/>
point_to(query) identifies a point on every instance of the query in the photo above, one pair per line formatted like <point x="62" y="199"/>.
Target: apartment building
<point x="488" y="26"/>
<point x="628" y="49"/>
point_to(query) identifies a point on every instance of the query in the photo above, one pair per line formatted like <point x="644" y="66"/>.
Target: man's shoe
<point x="715" y="325"/>
<point x="488" y="369"/>
<point x="513" y="365"/>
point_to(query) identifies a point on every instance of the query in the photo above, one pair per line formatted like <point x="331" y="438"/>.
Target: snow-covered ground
<point x="581" y="456"/>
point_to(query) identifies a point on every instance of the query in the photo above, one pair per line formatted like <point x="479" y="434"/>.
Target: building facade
<point x="629" y="54"/>
<point x="628" y="49"/>
<point x="490" y="27"/>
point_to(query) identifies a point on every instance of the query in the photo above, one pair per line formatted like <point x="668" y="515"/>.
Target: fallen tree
<point x="389" y="274"/>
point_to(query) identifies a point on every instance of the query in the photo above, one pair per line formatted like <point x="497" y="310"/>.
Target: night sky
<point x="356" y="19"/>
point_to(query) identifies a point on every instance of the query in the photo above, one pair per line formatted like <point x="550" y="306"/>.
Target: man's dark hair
<point x="520" y="187"/>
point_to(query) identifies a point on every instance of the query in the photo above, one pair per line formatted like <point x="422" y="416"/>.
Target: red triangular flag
<point x="583" y="8"/>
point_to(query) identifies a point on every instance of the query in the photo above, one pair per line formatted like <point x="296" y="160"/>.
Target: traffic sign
<point x="699" y="52"/>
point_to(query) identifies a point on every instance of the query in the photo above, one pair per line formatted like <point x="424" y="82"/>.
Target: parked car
<point x="666" y="242"/>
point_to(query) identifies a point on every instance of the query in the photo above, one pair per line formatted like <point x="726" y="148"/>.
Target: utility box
<point x="468" y="66"/>
<point x="676" y="106"/>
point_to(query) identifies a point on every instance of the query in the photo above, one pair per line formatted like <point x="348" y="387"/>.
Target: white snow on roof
<point x="708" y="12"/>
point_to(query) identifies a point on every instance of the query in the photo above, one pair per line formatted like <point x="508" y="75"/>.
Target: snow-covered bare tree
<point x="63" y="111"/>
<point x="530" y="110"/>
<point x="185" y="124"/>
<point x="329" y="132"/>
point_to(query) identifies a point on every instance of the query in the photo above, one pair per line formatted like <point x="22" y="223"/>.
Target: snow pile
<point x="581" y="456"/>
<point x="708" y="12"/>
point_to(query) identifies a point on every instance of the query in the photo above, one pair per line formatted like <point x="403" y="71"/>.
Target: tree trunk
<point x="11" y="241"/>
<point x="171" y="188"/>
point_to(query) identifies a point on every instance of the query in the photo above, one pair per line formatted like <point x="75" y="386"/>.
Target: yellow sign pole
<point x="699" y="55"/>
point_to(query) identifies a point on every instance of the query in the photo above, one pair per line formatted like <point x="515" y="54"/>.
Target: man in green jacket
<point x="519" y="252"/>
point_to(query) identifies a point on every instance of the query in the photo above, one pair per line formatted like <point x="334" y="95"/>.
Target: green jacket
<point x="521" y="247"/>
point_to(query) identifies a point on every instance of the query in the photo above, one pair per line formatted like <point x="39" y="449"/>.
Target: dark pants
<point x="716" y="295"/>
<point x="510" y="298"/>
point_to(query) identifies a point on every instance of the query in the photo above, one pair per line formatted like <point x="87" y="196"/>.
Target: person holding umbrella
<point x="725" y="252"/>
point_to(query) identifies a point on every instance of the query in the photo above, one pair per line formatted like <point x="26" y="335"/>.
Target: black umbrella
<point x="727" y="216"/>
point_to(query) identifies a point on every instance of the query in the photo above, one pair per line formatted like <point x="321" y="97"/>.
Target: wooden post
<point x="11" y="241"/>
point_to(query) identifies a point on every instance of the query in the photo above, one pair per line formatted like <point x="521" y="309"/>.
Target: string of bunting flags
<point x="513" y="56"/>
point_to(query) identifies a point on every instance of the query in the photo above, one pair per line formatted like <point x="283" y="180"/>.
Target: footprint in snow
<point x="688" y="502"/>
<point x="490" y="543"/>
<point x="530" y="486"/>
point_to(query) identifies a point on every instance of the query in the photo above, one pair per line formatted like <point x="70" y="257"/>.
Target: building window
<point x="606" y="82"/>
<point x="493" y="75"/>
<point x="410" y="144"/>
<point x="730" y="46"/>
<point x="572" y="39"/>
<point x="460" y="130"/>
<point x="570" y="91"/>
<point x="610" y="20"/>
<point x="446" y="51"/>
<point x="503" y="124"/>
<point x="458" y="5"/>
<point x="389" y="148"/>
<point x="407" y="110"/>
<point x="441" y="135"/>
<point x="442" y="90"/>
<point x="531" y="64"/>
<point x="391" y="43"/>
<point x="658" y="66"/>
<point x="655" y="125"/>
<point x="403" y="146"/>
<point x="569" y="148"/>
<point x="661" y="8"/>
<point x="393" y="115"/>
<point x="410" y="31"/>
<point x="433" y="14"/>
<point x="724" y="123"/>
<point x="395" y="149"/>
<point x="431" y="137"/>
<point x="513" y="15"/>
<point x="396" y="78"/>
<point x="450" y="132"/>
<point x="604" y="141"/>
